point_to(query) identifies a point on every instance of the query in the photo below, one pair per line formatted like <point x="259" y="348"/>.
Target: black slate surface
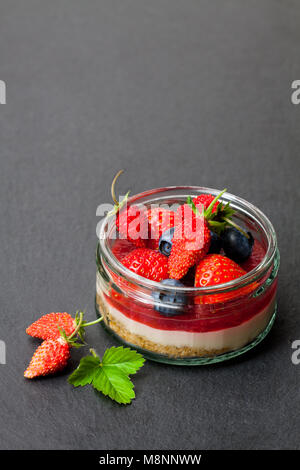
<point x="176" y="92"/>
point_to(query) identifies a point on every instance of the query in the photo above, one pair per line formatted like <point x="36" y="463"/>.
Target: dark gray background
<point x="177" y="92"/>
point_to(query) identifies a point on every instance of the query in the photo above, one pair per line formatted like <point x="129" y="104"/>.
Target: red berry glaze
<point x="147" y="263"/>
<point x="197" y="318"/>
<point x="257" y="255"/>
<point x="122" y="247"/>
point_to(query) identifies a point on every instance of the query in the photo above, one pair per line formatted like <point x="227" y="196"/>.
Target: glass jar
<point x="217" y="322"/>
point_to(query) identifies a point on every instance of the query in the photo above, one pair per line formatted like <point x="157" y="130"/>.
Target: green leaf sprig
<point x="110" y="375"/>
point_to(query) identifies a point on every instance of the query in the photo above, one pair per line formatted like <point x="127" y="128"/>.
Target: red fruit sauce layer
<point x="199" y="318"/>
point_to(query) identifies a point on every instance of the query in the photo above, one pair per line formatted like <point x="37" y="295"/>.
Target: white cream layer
<point x="230" y="338"/>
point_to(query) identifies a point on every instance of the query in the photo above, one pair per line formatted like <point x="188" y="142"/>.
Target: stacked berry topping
<point x="199" y="243"/>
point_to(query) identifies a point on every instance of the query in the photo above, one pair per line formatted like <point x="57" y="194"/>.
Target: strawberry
<point x="217" y="269"/>
<point x="59" y="331"/>
<point x="131" y="221"/>
<point x="190" y="243"/>
<point x="192" y="235"/>
<point x="201" y="202"/>
<point x="132" y="224"/>
<point x="206" y="200"/>
<point x="160" y="220"/>
<point x="51" y="357"/>
<point x="47" y="327"/>
<point x="147" y="263"/>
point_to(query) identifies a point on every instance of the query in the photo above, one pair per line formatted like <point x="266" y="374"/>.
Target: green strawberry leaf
<point x="125" y="359"/>
<point x="85" y="372"/>
<point x="109" y="376"/>
<point x="113" y="382"/>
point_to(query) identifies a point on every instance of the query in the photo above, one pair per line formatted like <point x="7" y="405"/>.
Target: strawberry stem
<point x="118" y="205"/>
<point x="78" y="331"/>
<point x="79" y="324"/>
<point x="233" y="224"/>
<point x="93" y="353"/>
<point x="92" y="322"/>
<point x="207" y="213"/>
<point x="113" y="194"/>
<point x="82" y="324"/>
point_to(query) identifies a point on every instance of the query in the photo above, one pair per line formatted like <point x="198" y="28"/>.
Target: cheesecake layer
<point x="182" y="343"/>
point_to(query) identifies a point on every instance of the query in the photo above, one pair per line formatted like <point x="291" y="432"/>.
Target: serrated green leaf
<point x="85" y="372"/>
<point x="111" y="381"/>
<point x="127" y="360"/>
<point x="110" y="376"/>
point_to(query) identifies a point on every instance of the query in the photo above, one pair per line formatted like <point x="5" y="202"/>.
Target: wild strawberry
<point x="192" y="235"/>
<point x="206" y="200"/>
<point x="201" y="202"/>
<point x="47" y="327"/>
<point x="160" y="220"/>
<point x="132" y="224"/>
<point x="51" y="357"/>
<point x="60" y="332"/>
<point x="190" y="243"/>
<point x="147" y="263"/>
<point x="217" y="269"/>
<point x="131" y="221"/>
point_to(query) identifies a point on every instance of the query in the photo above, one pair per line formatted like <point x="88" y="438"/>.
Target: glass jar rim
<point x="244" y="206"/>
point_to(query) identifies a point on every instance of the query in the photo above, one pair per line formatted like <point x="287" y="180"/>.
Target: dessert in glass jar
<point x="187" y="275"/>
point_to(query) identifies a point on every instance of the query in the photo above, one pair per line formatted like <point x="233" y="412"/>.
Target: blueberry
<point x="165" y="241"/>
<point x="236" y="246"/>
<point x="215" y="243"/>
<point x="175" y="299"/>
